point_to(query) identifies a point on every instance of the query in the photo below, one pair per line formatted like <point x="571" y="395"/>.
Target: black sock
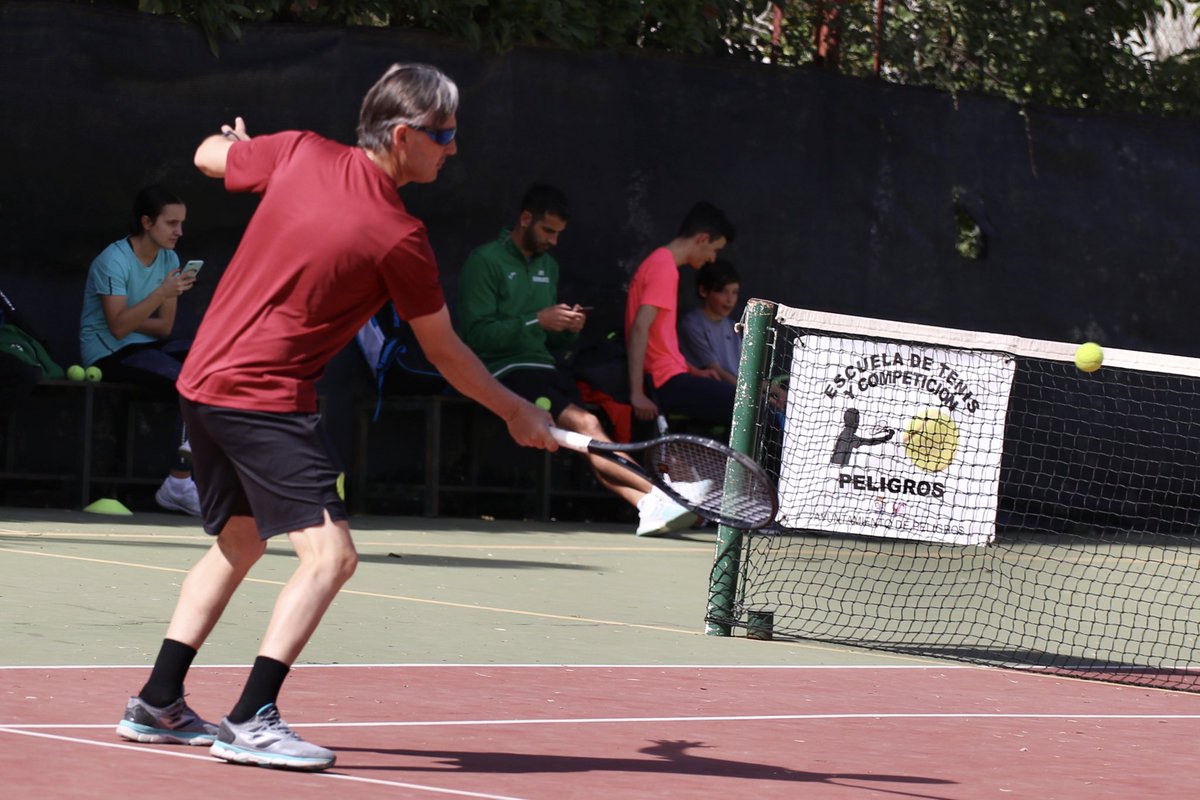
<point x="165" y="685"/>
<point x="262" y="688"/>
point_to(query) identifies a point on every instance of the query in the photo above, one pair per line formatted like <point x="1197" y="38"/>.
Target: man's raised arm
<point x="212" y="152"/>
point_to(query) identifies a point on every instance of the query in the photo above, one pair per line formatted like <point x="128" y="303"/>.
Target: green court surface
<point x="528" y="661"/>
<point x="79" y="588"/>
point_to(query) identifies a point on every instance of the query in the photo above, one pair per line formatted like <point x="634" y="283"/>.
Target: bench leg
<point x="433" y="457"/>
<point x="85" y="458"/>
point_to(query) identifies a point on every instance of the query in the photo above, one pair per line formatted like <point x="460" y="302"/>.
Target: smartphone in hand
<point x="191" y="268"/>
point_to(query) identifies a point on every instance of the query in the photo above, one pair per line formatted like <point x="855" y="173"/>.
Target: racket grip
<point x="570" y="439"/>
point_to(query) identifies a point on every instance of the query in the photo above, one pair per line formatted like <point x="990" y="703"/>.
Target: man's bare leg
<point x="253" y="732"/>
<point x="158" y="714"/>
<point x="327" y="561"/>
<point x="212" y="581"/>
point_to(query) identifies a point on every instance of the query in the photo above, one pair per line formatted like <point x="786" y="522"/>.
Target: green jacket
<point x="21" y="345"/>
<point x="499" y="295"/>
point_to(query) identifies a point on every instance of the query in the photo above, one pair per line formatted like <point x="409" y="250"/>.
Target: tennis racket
<point x="703" y="475"/>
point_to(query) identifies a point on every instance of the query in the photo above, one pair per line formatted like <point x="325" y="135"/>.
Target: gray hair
<point x="416" y="94"/>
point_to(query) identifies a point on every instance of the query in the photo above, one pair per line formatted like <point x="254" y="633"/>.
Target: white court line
<point x="1062" y="671"/>
<point x="209" y="759"/>
<point x="19" y="727"/>
<point x="433" y="665"/>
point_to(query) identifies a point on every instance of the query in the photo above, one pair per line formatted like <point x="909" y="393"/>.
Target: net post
<point x="723" y="581"/>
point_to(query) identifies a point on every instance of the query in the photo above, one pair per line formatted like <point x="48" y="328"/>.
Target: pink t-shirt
<point x="328" y="245"/>
<point x="656" y="283"/>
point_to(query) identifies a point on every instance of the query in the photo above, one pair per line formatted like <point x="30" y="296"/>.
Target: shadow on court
<point x="672" y="757"/>
<point x="422" y="560"/>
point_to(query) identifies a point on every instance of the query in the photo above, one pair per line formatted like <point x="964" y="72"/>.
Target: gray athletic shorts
<point x="277" y="468"/>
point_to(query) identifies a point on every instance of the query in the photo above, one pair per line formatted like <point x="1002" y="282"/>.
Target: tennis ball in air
<point x="542" y="403"/>
<point x="75" y="372"/>
<point x="931" y="439"/>
<point x="1089" y="357"/>
<point x="93" y="373"/>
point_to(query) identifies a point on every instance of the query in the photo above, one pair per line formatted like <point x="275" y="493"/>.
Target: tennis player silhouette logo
<point x="848" y="440"/>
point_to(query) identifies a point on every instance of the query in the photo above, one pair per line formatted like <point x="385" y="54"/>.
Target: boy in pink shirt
<point x="651" y="340"/>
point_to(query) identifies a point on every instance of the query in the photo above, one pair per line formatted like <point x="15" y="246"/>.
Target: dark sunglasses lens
<point x="444" y="136"/>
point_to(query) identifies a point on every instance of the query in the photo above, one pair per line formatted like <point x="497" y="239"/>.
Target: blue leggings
<point x="153" y="364"/>
<point x="702" y="399"/>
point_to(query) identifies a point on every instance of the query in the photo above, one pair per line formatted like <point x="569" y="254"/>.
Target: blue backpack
<point x="397" y="363"/>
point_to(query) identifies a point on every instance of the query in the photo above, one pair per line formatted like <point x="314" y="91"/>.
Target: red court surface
<point x="550" y="732"/>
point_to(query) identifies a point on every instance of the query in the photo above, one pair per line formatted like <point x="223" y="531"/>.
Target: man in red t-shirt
<point x="651" y="340"/>
<point x="329" y="243"/>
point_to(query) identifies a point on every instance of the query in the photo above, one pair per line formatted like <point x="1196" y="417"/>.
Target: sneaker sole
<point x="133" y="732"/>
<point x="170" y="505"/>
<point x="257" y="758"/>
<point x="680" y="523"/>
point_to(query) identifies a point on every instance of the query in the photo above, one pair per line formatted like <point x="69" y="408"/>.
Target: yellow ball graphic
<point x="931" y="439"/>
<point x="1089" y="357"/>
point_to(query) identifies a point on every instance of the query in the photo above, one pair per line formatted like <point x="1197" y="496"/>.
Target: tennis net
<point x="970" y="496"/>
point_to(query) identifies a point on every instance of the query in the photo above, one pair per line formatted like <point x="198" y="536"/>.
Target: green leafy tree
<point x="1064" y="53"/>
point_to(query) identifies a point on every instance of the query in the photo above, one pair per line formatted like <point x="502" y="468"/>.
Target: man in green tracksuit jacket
<point x="509" y="314"/>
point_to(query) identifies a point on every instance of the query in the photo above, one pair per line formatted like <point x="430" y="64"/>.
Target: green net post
<point x="750" y="388"/>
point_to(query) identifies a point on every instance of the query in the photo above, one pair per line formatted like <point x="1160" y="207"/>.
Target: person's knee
<point x="582" y="421"/>
<point x="341" y="563"/>
<point x="240" y="543"/>
<point x="332" y="553"/>
<point x="589" y="425"/>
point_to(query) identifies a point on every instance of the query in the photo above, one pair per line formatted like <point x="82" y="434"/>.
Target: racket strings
<point x="715" y="482"/>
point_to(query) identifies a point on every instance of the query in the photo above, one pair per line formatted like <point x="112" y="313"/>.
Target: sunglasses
<point x="440" y="136"/>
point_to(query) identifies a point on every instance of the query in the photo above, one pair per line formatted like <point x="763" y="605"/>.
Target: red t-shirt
<point x="329" y="243"/>
<point x="656" y="283"/>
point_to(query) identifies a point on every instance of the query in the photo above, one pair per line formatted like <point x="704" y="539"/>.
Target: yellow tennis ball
<point x="1089" y="357"/>
<point x="75" y="372"/>
<point x="931" y="439"/>
<point x="542" y="403"/>
<point x="93" y="373"/>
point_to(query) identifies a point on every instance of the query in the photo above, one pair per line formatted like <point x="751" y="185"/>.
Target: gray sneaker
<point x="179" y="494"/>
<point x="267" y="741"/>
<point x="175" y="724"/>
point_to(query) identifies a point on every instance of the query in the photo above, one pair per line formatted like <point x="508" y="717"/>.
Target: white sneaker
<point x="179" y="494"/>
<point x="659" y="514"/>
<point x="694" y="492"/>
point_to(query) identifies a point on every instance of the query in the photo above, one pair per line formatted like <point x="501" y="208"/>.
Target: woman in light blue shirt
<point x="129" y="305"/>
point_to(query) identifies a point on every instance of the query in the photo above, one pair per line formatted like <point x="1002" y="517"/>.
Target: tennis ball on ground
<point x="75" y="372"/>
<point x="93" y="373"/>
<point x="1089" y="357"/>
<point x="542" y="403"/>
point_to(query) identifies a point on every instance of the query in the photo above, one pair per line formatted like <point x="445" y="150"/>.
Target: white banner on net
<point x="900" y="440"/>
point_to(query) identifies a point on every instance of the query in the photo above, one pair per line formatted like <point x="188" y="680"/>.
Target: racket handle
<point x="570" y="439"/>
